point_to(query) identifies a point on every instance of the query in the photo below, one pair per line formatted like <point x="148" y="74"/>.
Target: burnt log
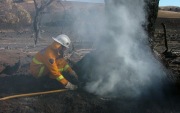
<point x="9" y="70"/>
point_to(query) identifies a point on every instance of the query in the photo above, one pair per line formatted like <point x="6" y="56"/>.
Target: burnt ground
<point x="15" y="45"/>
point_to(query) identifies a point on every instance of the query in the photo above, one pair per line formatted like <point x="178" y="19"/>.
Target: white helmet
<point x="63" y="40"/>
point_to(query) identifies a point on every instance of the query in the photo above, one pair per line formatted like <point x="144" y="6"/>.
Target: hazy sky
<point x="162" y="2"/>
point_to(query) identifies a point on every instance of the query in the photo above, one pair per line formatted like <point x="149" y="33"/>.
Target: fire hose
<point x="32" y="94"/>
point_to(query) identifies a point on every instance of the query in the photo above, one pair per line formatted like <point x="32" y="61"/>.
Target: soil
<point x="16" y="45"/>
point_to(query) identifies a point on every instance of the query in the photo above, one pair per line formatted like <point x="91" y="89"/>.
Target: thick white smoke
<point x="131" y="69"/>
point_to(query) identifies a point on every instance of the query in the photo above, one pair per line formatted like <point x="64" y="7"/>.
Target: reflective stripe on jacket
<point x="64" y="69"/>
<point x="41" y="70"/>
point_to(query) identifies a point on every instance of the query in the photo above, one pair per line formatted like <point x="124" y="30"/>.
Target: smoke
<point x="124" y="63"/>
<point x="89" y="21"/>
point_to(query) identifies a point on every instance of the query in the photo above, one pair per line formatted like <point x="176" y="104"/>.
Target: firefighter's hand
<point x="71" y="86"/>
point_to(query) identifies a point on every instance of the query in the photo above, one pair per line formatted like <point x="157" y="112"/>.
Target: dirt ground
<point x="14" y="46"/>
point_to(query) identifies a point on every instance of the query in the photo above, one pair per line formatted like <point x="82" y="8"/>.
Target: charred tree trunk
<point x="165" y="38"/>
<point x="167" y="53"/>
<point x="39" y="7"/>
<point x="152" y="9"/>
<point x="36" y="24"/>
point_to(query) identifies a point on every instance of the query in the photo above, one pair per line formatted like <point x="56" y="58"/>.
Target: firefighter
<point x="50" y="62"/>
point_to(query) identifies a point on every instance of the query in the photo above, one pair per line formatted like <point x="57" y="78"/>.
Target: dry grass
<point x="168" y="14"/>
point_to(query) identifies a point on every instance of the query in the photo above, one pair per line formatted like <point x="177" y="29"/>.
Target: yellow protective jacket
<point x="48" y="62"/>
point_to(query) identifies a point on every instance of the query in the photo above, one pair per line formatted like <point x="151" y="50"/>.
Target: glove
<point x="71" y="86"/>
